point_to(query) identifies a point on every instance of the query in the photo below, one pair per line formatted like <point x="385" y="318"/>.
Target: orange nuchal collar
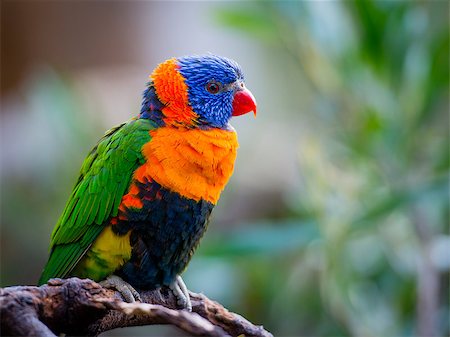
<point x="195" y="163"/>
<point x="173" y="92"/>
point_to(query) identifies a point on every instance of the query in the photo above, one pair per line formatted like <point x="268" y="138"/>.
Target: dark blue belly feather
<point x="164" y="235"/>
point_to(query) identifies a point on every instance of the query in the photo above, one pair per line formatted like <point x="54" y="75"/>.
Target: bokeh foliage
<point x="374" y="170"/>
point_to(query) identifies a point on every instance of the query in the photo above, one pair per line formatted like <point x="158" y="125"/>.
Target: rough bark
<point x="83" y="307"/>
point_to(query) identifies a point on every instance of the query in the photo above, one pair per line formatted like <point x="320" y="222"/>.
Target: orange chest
<point x="195" y="163"/>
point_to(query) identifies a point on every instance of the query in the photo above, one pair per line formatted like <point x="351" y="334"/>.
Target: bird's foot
<point x="124" y="288"/>
<point x="181" y="293"/>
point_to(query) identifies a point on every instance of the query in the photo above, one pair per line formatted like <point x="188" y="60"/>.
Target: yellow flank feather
<point x="108" y="253"/>
<point x="195" y="163"/>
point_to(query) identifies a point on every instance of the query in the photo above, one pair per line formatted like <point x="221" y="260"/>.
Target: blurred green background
<point x="336" y="221"/>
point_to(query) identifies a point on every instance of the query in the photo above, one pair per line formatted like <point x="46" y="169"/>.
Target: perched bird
<point x="146" y="190"/>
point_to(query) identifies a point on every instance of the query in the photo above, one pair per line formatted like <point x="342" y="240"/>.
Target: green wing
<point x="104" y="178"/>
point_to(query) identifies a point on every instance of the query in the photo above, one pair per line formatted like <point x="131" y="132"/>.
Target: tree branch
<point x="83" y="307"/>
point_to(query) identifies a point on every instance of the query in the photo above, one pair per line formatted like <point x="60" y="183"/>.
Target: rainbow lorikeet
<point x="146" y="190"/>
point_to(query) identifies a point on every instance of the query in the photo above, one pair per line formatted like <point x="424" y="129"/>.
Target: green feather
<point x="104" y="178"/>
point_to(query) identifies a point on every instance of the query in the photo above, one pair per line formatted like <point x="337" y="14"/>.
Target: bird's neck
<point x="152" y="107"/>
<point x="166" y="115"/>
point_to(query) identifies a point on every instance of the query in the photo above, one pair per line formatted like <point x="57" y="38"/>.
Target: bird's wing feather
<point x="104" y="178"/>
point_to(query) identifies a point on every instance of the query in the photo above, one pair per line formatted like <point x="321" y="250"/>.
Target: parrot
<point x="145" y="192"/>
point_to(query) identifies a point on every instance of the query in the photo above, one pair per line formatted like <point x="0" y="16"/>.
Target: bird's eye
<point x="213" y="87"/>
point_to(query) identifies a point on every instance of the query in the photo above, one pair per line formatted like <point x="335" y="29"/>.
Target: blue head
<point x="215" y="91"/>
<point x="212" y="81"/>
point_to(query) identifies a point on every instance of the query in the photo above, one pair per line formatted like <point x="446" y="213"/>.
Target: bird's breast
<point x="195" y="163"/>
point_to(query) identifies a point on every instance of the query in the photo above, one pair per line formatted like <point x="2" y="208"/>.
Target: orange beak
<point x="243" y="102"/>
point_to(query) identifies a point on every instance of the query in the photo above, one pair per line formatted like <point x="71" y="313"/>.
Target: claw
<point x="129" y="294"/>
<point x="181" y="292"/>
